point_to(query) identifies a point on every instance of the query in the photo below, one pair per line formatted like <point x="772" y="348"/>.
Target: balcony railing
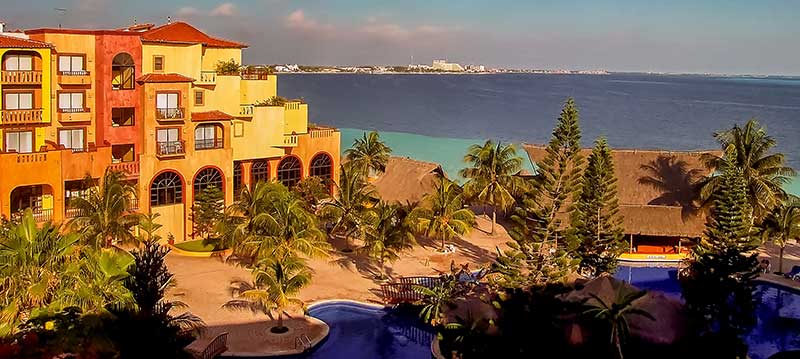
<point x="208" y="77"/>
<point x="171" y="148"/>
<point x="207" y="144"/>
<point x="169" y="113"/>
<point x="72" y="212"/>
<point x="39" y="214"/>
<point x="21" y="77"/>
<point x="22" y="116"/>
<point x="74" y="73"/>
<point x="129" y="168"/>
<point x="290" y="140"/>
<point x="246" y="110"/>
<point x="255" y="74"/>
<point x="73" y="110"/>
<point x="321" y="132"/>
<point x="133" y="204"/>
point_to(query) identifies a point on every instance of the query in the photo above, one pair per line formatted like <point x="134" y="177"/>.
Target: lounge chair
<point x="794" y="273"/>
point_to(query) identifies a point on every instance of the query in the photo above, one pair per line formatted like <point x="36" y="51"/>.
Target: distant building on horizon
<point x="443" y="65"/>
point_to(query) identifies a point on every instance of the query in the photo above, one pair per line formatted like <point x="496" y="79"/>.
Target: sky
<point x="687" y="36"/>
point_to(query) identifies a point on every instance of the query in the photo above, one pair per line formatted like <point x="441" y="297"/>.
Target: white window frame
<point x="16" y="136"/>
<point x="167" y="100"/>
<point x="71" y="63"/>
<point x="72" y="138"/>
<point x="18" y="63"/>
<point x="18" y="101"/>
<point x="71" y="100"/>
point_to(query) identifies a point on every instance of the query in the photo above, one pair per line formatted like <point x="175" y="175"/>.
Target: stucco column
<point x="246" y="167"/>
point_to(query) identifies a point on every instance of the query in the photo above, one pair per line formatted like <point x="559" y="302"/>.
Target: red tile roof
<point x="162" y="78"/>
<point x="181" y="32"/>
<point x="211" y="116"/>
<point x="15" y="42"/>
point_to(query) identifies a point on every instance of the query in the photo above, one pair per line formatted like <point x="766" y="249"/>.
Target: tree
<point x="104" y="215"/>
<point x="765" y="173"/>
<point x="781" y="225"/>
<point x="368" y="155"/>
<point x="596" y="222"/>
<point x="276" y="283"/>
<point x="492" y="179"/>
<point x="349" y="208"/>
<point x="388" y="235"/>
<point x="717" y="286"/>
<point x="313" y="190"/>
<point x="615" y="315"/>
<point x="207" y="211"/>
<point x="442" y="214"/>
<point x="97" y="280"/>
<point x="229" y="68"/>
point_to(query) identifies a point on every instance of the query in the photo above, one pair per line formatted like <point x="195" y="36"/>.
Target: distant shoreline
<point x="753" y="77"/>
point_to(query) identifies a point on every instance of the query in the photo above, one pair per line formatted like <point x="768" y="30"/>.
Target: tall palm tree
<point x="368" y="155"/>
<point x="350" y="208"/>
<point x="104" y="215"/>
<point x="781" y="225"/>
<point x="492" y="176"/>
<point x="442" y="214"/>
<point x="765" y="172"/>
<point x="276" y="284"/>
<point x="616" y="315"/>
<point x="387" y="235"/>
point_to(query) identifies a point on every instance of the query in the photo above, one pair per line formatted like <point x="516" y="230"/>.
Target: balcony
<point x="170" y="113"/>
<point x="21" y="77"/>
<point x="290" y="140"/>
<point x="207" y="78"/>
<point x="170" y="149"/>
<point x="208" y="144"/>
<point x="129" y="168"/>
<point x="22" y="117"/>
<point x="246" y="110"/>
<point x="74" y="115"/>
<point x="321" y="132"/>
<point x="74" y="77"/>
<point x="39" y="214"/>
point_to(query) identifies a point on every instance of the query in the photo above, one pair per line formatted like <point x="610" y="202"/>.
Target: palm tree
<point x="98" y="279"/>
<point x="492" y="176"/>
<point x="616" y="315"/>
<point x="368" y="155"/>
<point x="349" y="208"/>
<point x="781" y="225"/>
<point x="388" y="235"/>
<point x="104" y="215"/>
<point x="443" y="215"/>
<point x="276" y="283"/>
<point x="765" y="173"/>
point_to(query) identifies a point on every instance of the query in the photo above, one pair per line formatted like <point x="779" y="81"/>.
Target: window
<point x="207" y="136"/>
<point x="198" y="98"/>
<point x="18" y="101"/>
<point x="209" y="177"/>
<point x="20" y="142"/>
<point x="18" y="63"/>
<point x="259" y="172"/>
<point x="321" y="166"/>
<point x="122" y="72"/>
<point x="167" y="188"/>
<point x="169" y="142"/>
<point x="167" y="106"/>
<point x="122" y="153"/>
<point x="158" y="63"/>
<point x="71" y="65"/>
<point x="71" y="138"/>
<point x="289" y="171"/>
<point x="70" y="102"/>
<point x="237" y="178"/>
<point x="122" y="116"/>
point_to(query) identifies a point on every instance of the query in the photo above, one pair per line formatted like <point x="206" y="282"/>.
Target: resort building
<point x="443" y="65"/>
<point x="152" y="102"/>
<point x="657" y="192"/>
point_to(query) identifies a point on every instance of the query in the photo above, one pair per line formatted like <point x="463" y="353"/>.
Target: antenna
<point x="61" y="12"/>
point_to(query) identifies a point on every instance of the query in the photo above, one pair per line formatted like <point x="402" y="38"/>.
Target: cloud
<point x="224" y="9"/>
<point x="394" y="32"/>
<point x="298" y="20"/>
<point x="188" y="11"/>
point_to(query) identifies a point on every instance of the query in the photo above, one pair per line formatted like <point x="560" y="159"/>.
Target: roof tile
<point x="181" y="32"/>
<point x="16" y="42"/>
<point x="164" y="78"/>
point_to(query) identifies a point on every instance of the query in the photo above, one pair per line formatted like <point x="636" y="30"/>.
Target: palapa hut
<point x="407" y="180"/>
<point x="657" y="192"/>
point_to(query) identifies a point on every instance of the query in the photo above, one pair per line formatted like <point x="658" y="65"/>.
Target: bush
<point x="230" y="67"/>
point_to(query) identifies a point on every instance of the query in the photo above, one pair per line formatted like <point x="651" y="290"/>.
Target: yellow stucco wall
<point x="258" y="90"/>
<point x="226" y="95"/>
<point x="179" y="59"/>
<point x="259" y="135"/>
<point x="47" y="78"/>
<point x="296" y="119"/>
<point x="213" y="55"/>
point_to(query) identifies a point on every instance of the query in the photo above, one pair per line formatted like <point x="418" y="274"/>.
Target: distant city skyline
<point x="734" y="37"/>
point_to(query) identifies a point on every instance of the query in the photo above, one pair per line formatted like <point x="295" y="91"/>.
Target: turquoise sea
<point x="436" y="117"/>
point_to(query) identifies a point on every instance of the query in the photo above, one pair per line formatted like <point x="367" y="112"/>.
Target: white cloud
<point x="298" y="20"/>
<point x="394" y="32"/>
<point x="188" y="11"/>
<point x="224" y="9"/>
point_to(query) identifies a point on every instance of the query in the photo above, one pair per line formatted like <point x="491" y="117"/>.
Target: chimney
<point x="169" y="19"/>
<point x="2" y="27"/>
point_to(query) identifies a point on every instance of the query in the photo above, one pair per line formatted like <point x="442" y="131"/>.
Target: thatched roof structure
<point x="407" y="180"/>
<point x="657" y="190"/>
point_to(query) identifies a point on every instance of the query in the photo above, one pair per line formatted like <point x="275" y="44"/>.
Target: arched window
<point x="289" y="171"/>
<point x="259" y="172"/>
<point x="122" y="72"/>
<point x="237" y="178"/>
<point x="208" y="177"/>
<point x="321" y="166"/>
<point x="167" y="188"/>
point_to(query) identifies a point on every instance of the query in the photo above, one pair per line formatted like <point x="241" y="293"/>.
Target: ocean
<point x="436" y="117"/>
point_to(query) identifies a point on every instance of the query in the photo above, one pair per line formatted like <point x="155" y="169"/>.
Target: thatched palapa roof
<point x="407" y="180"/>
<point x="656" y="189"/>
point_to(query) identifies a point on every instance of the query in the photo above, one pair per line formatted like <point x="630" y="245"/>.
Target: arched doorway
<point x="167" y="189"/>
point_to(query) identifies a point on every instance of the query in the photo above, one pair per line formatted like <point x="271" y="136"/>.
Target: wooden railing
<point x="246" y="110"/>
<point x="208" y="77"/>
<point x="394" y="293"/>
<point x="130" y="168"/>
<point x="208" y="144"/>
<point x="290" y="140"/>
<point x="22" y="116"/>
<point x="171" y="148"/>
<point x="424" y="281"/>
<point x="169" y="113"/>
<point x="21" y="77"/>
<point x="217" y="346"/>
